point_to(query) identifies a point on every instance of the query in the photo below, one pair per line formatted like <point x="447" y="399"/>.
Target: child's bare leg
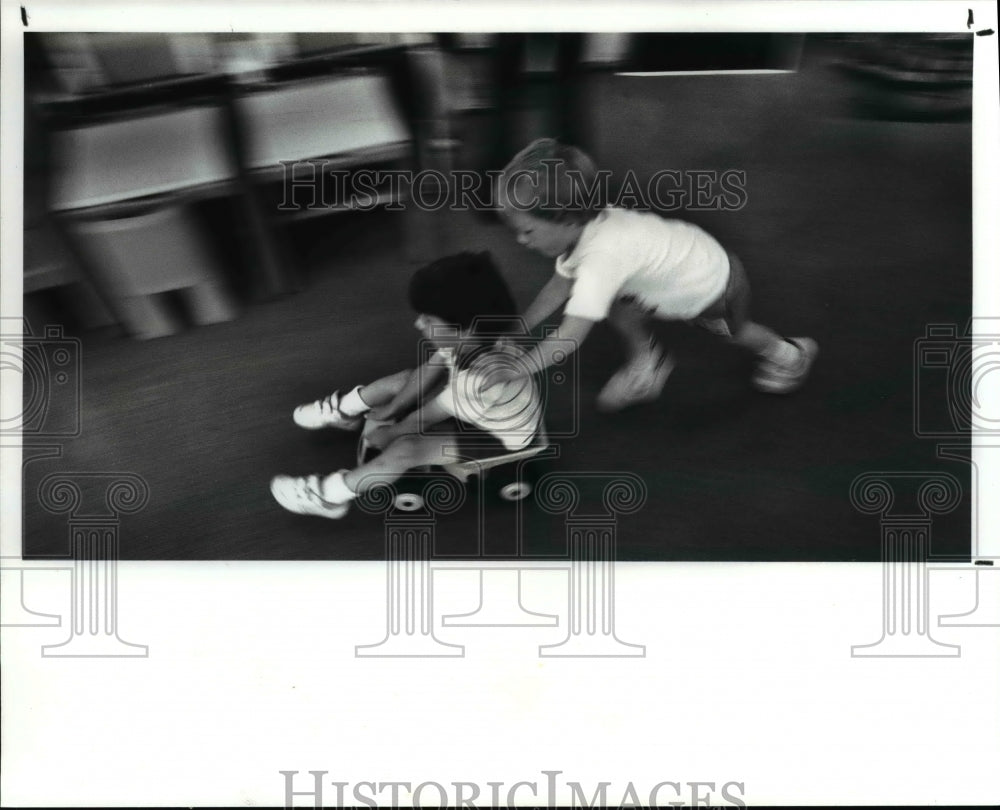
<point x="406" y="453"/>
<point x="383" y="390"/>
<point x="764" y="342"/>
<point x="784" y="363"/>
<point x="643" y="376"/>
<point x="630" y="321"/>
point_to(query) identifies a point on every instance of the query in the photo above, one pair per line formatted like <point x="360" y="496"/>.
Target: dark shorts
<point x="731" y="310"/>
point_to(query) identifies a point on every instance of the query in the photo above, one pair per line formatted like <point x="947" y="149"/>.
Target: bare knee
<point x="743" y="333"/>
<point x="394" y="382"/>
<point x="411" y="451"/>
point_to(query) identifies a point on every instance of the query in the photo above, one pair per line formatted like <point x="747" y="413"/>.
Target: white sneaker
<point x="325" y="413"/>
<point x="304" y="496"/>
<point x="640" y="380"/>
<point x="775" y="378"/>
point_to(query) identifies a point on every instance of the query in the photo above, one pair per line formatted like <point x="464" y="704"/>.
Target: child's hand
<point x="502" y="376"/>
<point x="503" y="384"/>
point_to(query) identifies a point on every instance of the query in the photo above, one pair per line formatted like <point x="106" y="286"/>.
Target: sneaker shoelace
<point x="305" y="490"/>
<point x="789" y="370"/>
<point x="330" y="405"/>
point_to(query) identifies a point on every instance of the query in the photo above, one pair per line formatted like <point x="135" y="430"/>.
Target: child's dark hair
<point x="466" y="290"/>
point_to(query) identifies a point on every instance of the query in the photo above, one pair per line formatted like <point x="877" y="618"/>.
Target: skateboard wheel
<point x="408" y="502"/>
<point x="515" y="491"/>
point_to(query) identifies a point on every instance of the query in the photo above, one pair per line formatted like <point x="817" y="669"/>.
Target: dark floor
<point x="856" y="231"/>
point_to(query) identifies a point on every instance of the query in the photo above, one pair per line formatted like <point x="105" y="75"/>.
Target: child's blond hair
<point x="552" y="181"/>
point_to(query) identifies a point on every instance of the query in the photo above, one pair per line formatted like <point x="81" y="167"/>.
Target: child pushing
<point x="628" y="267"/>
<point x="463" y="308"/>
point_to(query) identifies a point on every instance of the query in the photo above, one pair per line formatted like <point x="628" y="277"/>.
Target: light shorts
<point x="726" y="315"/>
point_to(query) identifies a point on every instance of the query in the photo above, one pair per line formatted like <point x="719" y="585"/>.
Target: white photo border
<point x="751" y="661"/>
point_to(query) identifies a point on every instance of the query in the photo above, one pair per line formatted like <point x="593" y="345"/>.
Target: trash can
<point x="48" y="264"/>
<point x="146" y="251"/>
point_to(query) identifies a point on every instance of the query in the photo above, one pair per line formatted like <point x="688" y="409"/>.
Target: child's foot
<point x="304" y="496"/>
<point x="640" y="380"/>
<point x="325" y="413"/>
<point x="785" y="377"/>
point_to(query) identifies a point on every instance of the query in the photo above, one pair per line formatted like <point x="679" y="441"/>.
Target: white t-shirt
<point x="672" y="267"/>
<point x="511" y="412"/>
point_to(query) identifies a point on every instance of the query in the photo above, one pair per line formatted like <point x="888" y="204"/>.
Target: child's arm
<point x="411" y="393"/>
<point x="552" y="296"/>
<point x="426" y="416"/>
<point x="571" y="333"/>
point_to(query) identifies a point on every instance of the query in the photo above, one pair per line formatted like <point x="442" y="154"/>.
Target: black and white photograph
<point x="458" y="404"/>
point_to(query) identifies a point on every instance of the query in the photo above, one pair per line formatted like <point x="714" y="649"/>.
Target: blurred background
<point x="157" y="231"/>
